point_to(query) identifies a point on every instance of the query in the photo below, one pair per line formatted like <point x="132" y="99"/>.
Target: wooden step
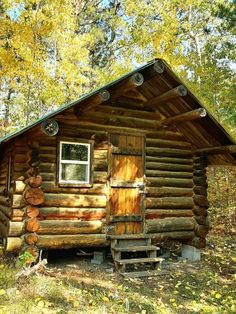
<point x="139" y="260"/>
<point x="145" y="273"/>
<point x="140" y="248"/>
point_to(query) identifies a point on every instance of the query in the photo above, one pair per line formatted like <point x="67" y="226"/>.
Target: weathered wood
<point x="6" y="210"/>
<point x="35" y="181"/>
<point x="79" y="213"/>
<point x="201" y="181"/>
<point x="32" y="225"/>
<point x="163" y="213"/>
<point x="231" y="149"/>
<point x="168" y="166"/>
<point x="3" y="230"/>
<point x="201" y="220"/>
<point x="74" y="200"/>
<point x="70" y="227"/>
<point x="159" y="67"/>
<point x="13" y="244"/>
<point x="201" y="230"/>
<point x="168" y="191"/>
<point x="154" y="151"/>
<point x="171" y="160"/>
<point x="4" y="219"/>
<point x="201" y="200"/>
<point x="179" y="182"/>
<point x="200" y="190"/>
<point x="32" y="249"/>
<point x="199" y="211"/>
<point x="19" y="186"/>
<point x="16" y="229"/>
<point x="197" y="242"/>
<point x="70" y="241"/>
<point x="3" y="190"/>
<point x="51" y="187"/>
<point x="18" y="201"/>
<point x="34" y="196"/>
<point x="167" y="143"/>
<point x="169" y="174"/>
<point x="179" y="91"/>
<point x="170" y="202"/>
<point x="31" y="238"/>
<point x="126" y="218"/>
<point x="5" y="201"/>
<point x="32" y="211"/>
<point x="170" y="224"/>
<point x="186" y="116"/>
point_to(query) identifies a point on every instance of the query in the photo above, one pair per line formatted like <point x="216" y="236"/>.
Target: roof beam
<point x="186" y="116"/>
<point x="121" y="88"/>
<point x="228" y="149"/>
<point x="177" y="92"/>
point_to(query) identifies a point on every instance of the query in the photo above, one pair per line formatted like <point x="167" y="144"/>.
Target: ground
<point x="77" y="286"/>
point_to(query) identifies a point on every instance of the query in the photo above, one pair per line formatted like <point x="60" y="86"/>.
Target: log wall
<point x="176" y="201"/>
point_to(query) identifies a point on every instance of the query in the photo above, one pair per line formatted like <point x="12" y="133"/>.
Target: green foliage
<point x="25" y="259"/>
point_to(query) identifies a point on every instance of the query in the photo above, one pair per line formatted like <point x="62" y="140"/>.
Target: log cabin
<point x="125" y="164"/>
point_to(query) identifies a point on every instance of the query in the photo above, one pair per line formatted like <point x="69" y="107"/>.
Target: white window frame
<point x="73" y="162"/>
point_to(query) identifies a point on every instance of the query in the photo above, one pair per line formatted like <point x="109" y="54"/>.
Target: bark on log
<point x="3" y="230"/>
<point x="199" y="211"/>
<point x="4" y="219"/>
<point x="168" y="152"/>
<point x="70" y="241"/>
<point x="170" y="202"/>
<point x="34" y="196"/>
<point x="231" y="149"/>
<point x="70" y="227"/>
<point x="2" y="190"/>
<point x="201" y="231"/>
<point x="168" y="191"/>
<point x="75" y="200"/>
<point x="167" y="143"/>
<point x="201" y="220"/>
<point x="185" y="183"/>
<point x="31" y="238"/>
<point x="32" y="225"/>
<point x="79" y="213"/>
<point x="6" y="210"/>
<point x="200" y="190"/>
<point x="35" y="181"/>
<point x="32" y="212"/>
<point x="171" y="160"/>
<point x="5" y="201"/>
<point x="163" y="213"/>
<point x="96" y="189"/>
<point x="170" y="224"/>
<point x="174" y="235"/>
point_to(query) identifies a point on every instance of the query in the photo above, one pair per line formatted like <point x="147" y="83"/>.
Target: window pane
<point x="74" y="152"/>
<point x="70" y="172"/>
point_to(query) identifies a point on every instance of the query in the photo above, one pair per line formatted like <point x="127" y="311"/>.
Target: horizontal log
<point x="179" y="182"/>
<point x="168" y="167"/>
<point x="173" y="235"/>
<point x="228" y="149"/>
<point x="74" y="200"/>
<point x="52" y="187"/>
<point x="170" y="202"/>
<point x="169" y="174"/>
<point x="167" y="143"/>
<point x="170" y="224"/>
<point x="13" y="244"/>
<point x="168" y="191"/>
<point x="79" y="213"/>
<point x="19" y="186"/>
<point x="70" y="227"/>
<point x="172" y="160"/>
<point x="16" y="229"/>
<point x="179" y="91"/>
<point x="163" y="213"/>
<point x="71" y="241"/>
<point x="186" y="116"/>
<point x="18" y="201"/>
<point x="154" y="151"/>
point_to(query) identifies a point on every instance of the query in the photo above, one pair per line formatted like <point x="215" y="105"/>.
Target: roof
<point x="201" y="133"/>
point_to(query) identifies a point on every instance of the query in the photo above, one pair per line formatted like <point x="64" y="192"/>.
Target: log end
<point x="159" y="67"/>
<point x="137" y="79"/>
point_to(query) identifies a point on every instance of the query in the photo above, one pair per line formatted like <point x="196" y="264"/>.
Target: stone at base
<point x="190" y="253"/>
<point x="98" y="258"/>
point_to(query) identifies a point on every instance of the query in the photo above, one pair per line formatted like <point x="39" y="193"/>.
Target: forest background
<point x="52" y="52"/>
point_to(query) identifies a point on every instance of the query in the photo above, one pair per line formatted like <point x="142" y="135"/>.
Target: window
<point x="74" y="166"/>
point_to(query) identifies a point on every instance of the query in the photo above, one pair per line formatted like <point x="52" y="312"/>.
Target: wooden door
<point x="126" y="183"/>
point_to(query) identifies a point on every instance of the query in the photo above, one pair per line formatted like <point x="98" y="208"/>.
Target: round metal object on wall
<point x="50" y="127"/>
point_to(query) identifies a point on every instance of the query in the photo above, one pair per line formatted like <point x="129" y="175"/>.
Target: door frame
<point x="109" y="188"/>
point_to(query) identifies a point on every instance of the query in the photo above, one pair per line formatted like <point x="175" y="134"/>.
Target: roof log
<point x="228" y="149"/>
<point x="186" y="116"/>
<point x="177" y="92"/>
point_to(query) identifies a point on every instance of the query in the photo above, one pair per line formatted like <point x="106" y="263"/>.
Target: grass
<point x="207" y="286"/>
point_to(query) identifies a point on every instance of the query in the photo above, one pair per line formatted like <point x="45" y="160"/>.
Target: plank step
<point x="145" y="273"/>
<point x="140" y="260"/>
<point x="139" y="248"/>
